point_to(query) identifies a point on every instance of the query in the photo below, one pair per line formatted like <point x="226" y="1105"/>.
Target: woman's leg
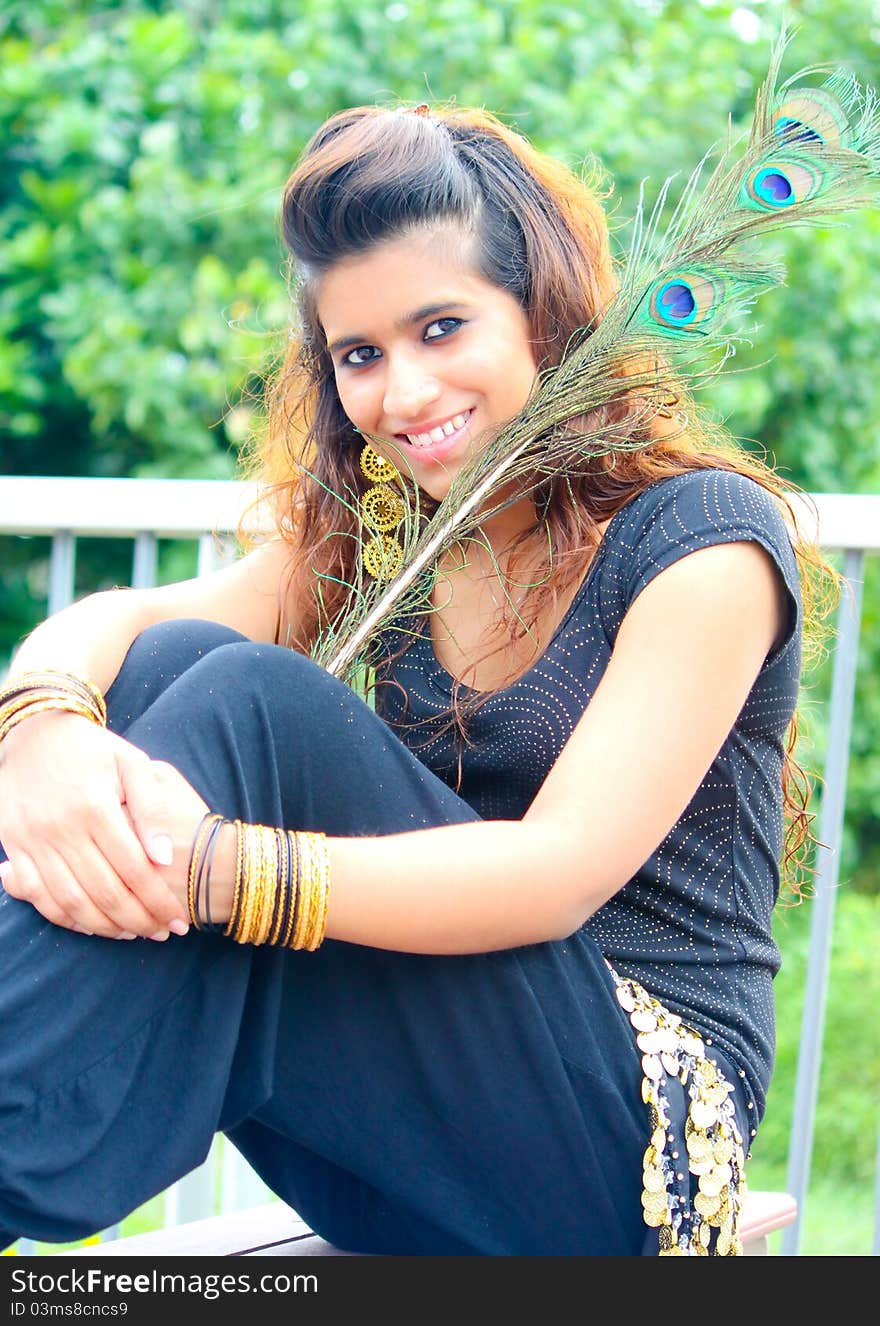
<point x="467" y="1102"/>
<point x="484" y="1103"/>
<point x="102" y="1041"/>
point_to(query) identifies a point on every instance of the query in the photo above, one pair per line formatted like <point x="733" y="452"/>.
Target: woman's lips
<point x="437" y="451"/>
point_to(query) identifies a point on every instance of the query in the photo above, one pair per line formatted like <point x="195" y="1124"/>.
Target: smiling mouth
<point x="445" y="432"/>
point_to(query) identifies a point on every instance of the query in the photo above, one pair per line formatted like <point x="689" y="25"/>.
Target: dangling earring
<point x="382" y="510"/>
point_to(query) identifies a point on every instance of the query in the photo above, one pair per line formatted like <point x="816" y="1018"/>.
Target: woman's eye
<point x="446" y="326"/>
<point x="361" y="354"/>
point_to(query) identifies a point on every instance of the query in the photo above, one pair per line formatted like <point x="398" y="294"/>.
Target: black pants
<point x="402" y="1103"/>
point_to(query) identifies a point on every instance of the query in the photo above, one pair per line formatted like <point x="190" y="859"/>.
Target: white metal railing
<point x="209" y="511"/>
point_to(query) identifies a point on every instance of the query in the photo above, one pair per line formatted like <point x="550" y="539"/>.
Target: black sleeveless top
<point x="694" y="924"/>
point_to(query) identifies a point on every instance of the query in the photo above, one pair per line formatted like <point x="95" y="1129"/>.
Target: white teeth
<point x="437" y="434"/>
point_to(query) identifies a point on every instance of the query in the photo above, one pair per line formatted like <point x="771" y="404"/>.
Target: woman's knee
<point x="157" y="657"/>
<point x="249" y="676"/>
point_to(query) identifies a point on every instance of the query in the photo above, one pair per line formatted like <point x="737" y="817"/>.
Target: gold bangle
<point x="264" y="881"/>
<point x="281" y="892"/>
<point x="40" y="691"/>
<point x="320" y="925"/>
<point x="303" y="889"/>
<point x="61" y="683"/>
<point x="281" y="887"/>
<point x="314" y="886"/>
<point x="48" y="696"/>
<point x="269" y="885"/>
<point x="292" y="847"/>
<point x="255" y="883"/>
<point x="235" y="908"/>
<point x="11" y="714"/>
<point x="315" y="890"/>
<point x="321" y="922"/>
<point x="246" y="909"/>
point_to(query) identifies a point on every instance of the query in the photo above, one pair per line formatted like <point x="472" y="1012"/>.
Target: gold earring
<point x="382" y="510"/>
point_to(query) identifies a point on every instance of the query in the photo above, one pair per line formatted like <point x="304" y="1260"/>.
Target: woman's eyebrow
<point x="426" y="311"/>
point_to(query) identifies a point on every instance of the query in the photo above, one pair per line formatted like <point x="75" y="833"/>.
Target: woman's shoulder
<point x="683" y="513"/>
<point x="697" y="507"/>
<point x="712" y="496"/>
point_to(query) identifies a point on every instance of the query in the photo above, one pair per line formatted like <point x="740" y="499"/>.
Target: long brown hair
<point x="540" y="232"/>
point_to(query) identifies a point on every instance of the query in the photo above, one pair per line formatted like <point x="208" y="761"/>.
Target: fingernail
<point x="80" y="931"/>
<point x="179" y="927"/>
<point x="161" y="849"/>
<point x="160" y="935"/>
<point x="127" y="934"/>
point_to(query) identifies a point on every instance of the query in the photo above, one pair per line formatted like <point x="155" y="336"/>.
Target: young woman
<point x="503" y="984"/>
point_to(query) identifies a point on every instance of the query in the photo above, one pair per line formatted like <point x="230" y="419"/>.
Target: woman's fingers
<point x="145" y="786"/>
<point x="73" y="850"/>
<point x="92" y="869"/>
<point x="80" y="891"/>
<point x="86" y="886"/>
<point x="118" y="843"/>
<point x="55" y="888"/>
<point x="165" y="811"/>
<point x="22" y="881"/>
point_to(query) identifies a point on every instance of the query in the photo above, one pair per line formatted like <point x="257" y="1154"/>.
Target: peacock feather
<point x="813" y="152"/>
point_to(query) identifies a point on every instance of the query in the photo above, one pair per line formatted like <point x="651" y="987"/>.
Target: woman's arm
<point x="65" y="783"/>
<point x="685" y="659"/>
<point x="92" y="636"/>
<point x="686" y="656"/>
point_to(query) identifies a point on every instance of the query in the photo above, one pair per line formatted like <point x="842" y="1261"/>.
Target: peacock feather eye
<point x="682" y="300"/>
<point x="795" y="133"/>
<point x="781" y="184"/>
<point x="811" y="119"/>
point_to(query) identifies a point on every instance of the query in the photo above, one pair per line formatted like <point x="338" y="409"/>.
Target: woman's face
<point x="430" y="358"/>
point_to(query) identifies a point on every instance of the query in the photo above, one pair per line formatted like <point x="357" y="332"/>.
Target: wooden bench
<point x="274" y="1230"/>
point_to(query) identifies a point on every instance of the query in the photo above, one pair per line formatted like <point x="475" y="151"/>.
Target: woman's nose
<point x="408" y="389"/>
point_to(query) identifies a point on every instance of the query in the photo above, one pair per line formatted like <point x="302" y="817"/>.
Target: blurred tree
<point x="144" y="147"/>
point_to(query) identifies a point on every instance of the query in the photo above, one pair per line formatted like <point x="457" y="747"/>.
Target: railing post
<point x="144" y="561"/>
<point x="241" y="1186"/>
<point x="193" y="1197"/>
<point x="876" y="1249"/>
<point x="826" y="880"/>
<point x="208" y="560"/>
<point x="62" y="567"/>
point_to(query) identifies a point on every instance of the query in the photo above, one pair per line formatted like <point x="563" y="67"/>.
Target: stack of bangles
<point x="38" y="692"/>
<point x="281" y="886"/>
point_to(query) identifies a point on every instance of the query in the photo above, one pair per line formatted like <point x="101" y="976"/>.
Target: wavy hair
<point x="540" y="232"/>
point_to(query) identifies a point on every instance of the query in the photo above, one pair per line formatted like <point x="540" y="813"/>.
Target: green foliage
<point x="846" y="1119"/>
<point x="838" y="1216"/>
<point x="144" y="147"/>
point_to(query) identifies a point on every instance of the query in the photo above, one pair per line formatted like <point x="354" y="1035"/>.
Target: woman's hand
<point x="65" y="825"/>
<point x="165" y="812"/>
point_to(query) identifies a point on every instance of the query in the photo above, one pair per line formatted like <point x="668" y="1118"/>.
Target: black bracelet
<point x="204" y="876"/>
<point x="190" y="872"/>
<point x="283" y="906"/>
<point x="292" y="892"/>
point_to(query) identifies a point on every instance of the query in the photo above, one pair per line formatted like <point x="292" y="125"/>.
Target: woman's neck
<point x="499" y="532"/>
